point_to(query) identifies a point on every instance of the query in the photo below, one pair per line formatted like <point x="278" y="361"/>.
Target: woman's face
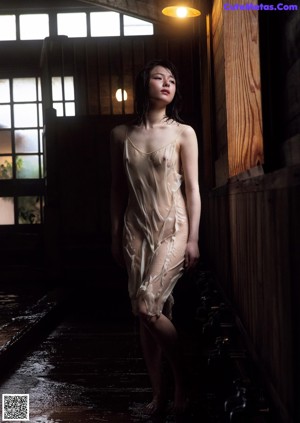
<point x="162" y="85"/>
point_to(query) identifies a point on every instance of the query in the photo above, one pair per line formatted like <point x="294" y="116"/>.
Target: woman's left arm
<point x="189" y="160"/>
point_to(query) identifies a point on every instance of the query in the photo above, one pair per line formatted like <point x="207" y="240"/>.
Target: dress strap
<point x="126" y="133"/>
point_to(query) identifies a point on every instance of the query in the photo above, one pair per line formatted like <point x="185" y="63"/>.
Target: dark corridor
<point x="67" y="337"/>
<point x="76" y="353"/>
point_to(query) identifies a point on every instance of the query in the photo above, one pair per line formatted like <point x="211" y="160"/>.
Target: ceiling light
<point x="181" y="12"/>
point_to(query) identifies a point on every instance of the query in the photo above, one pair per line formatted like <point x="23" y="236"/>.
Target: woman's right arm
<point x="119" y="191"/>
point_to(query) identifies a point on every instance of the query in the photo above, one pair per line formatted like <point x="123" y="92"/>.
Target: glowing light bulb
<point x="181" y="12"/>
<point x="119" y="95"/>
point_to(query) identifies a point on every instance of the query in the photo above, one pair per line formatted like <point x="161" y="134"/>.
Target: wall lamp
<point x="181" y="11"/>
<point x="121" y="95"/>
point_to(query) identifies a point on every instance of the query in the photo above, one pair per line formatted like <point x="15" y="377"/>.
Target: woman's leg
<point x="165" y="335"/>
<point x="153" y="358"/>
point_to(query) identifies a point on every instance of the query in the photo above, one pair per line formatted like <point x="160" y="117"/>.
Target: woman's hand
<point x="191" y="255"/>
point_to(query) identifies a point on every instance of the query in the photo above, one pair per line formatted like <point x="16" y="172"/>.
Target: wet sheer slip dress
<point x="155" y="226"/>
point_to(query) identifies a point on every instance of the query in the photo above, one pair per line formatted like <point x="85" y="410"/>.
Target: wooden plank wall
<point x="262" y="243"/>
<point x="243" y="88"/>
<point x="291" y="51"/>
<point x="253" y="237"/>
<point x="253" y="246"/>
<point x="221" y="151"/>
<point x="102" y="65"/>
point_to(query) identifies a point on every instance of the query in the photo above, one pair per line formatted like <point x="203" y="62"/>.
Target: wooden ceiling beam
<point x="149" y="10"/>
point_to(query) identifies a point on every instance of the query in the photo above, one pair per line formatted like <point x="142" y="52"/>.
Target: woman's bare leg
<point x="153" y="358"/>
<point x="164" y="333"/>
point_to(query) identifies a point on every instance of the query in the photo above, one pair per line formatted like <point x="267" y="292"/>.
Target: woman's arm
<point x="119" y="192"/>
<point x="189" y="159"/>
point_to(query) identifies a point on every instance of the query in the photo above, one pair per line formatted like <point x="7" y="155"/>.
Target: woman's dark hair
<point x="142" y="92"/>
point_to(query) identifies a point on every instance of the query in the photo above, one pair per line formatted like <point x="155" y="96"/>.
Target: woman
<point x="158" y="237"/>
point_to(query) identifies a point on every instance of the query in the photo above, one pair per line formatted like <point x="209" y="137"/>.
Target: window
<point x="63" y="95"/>
<point x="133" y="26"/>
<point x="72" y="24"/>
<point x="36" y="26"/>
<point x="21" y="149"/>
<point x="105" y="24"/>
<point x="8" y="29"/>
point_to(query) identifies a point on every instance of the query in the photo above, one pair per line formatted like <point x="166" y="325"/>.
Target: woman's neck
<point x="155" y="118"/>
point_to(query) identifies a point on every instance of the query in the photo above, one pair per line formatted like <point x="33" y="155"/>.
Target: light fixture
<point x="181" y="11"/>
<point x="121" y="96"/>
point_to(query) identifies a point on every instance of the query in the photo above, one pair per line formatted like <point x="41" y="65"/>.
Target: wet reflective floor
<point x="88" y="366"/>
<point x="88" y="370"/>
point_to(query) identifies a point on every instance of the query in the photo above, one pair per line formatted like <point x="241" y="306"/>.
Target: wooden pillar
<point x="291" y="55"/>
<point x="242" y="86"/>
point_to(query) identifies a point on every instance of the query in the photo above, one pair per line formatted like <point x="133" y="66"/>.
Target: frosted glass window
<point x="70" y="109"/>
<point x="105" y="24"/>
<point x="59" y="109"/>
<point x="57" y="93"/>
<point x="34" y="27"/>
<point x="40" y="108"/>
<point x="21" y="145"/>
<point x="5" y="117"/>
<point x="5" y="142"/>
<point x="69" y="88"/>
<point x="7" y="216"/>
<point x="26" y="141"/>
<point x="39" y="90"/>
<point x="41" y="141"/>
<point x="4" y="91"/>
<point x="133" y="26"/>
<point x="8" y="28"/>
<point x="57" y="88"/>
<point x="72" y="24"/>
<point x="42" y="167"/>
<point x="27" y="167"/>
<point x="24" y="89"/>
<point x="6" y="171"/>
<point x="29" y="210"/>
<point x="25" y="115"/>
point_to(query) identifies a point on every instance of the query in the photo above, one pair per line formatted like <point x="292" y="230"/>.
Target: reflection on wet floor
<point x="89" y="366"/>
<point x="87" y="370"/>
<point x="14" y="299"/>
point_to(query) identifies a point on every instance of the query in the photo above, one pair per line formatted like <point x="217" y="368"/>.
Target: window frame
<point x="53" y="24"/>
<point x="16" y="187"/>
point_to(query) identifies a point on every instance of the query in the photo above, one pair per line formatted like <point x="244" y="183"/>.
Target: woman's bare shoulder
<point x="187" y="133"/>
<point x="119" y="133"/>
<point x="186" y="129"/>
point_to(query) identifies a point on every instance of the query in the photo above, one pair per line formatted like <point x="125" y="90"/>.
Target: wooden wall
<point x="291" y="100"/>
<point x="262" y="240"/>
<point x="102" y="65"/>
<point x="253" y="238"/>
<point x="253" y="247"/>
<point x="221" y="152"/>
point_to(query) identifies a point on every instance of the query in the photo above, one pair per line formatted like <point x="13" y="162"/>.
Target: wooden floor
<point x="89" y="368"/>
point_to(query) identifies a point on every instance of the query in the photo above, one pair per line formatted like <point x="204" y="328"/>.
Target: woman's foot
<point x="156" y="406"/>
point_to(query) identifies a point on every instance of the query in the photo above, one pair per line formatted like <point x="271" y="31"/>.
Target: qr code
<point x="15" y="407"/>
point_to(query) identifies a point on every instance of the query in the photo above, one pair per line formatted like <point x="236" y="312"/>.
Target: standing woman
<point x="154" y="224"/>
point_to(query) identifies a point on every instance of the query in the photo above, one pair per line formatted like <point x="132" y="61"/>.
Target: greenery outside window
<point x="21" y="149"/>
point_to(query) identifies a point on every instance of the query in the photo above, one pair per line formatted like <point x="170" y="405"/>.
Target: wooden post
<point x="242" y="86"/>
